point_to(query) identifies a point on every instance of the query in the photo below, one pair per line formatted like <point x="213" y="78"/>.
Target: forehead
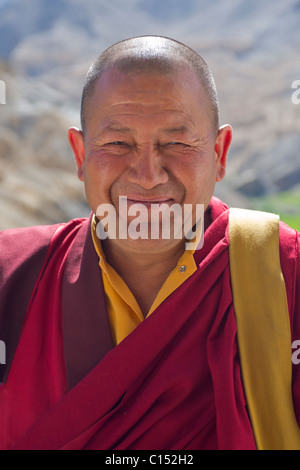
<point x="146" y="94"/>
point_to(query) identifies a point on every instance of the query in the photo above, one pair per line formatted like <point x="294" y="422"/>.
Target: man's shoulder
<point x="289" y="238"/>
<point x="20" y="244"/>
<point x="38" y="234"/>
<point x="27" y="238"/>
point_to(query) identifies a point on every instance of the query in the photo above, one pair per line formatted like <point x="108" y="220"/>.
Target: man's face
<point x="149" y="137"/>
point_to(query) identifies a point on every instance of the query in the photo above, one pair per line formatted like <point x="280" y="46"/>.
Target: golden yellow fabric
<point x="263" y="328"/>
<point x="124" y="313"/>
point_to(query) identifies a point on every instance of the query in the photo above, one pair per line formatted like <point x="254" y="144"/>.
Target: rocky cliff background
<point x="46" y="48"/>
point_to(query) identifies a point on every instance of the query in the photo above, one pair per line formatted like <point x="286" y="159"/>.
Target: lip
<point x="139" y="199"/>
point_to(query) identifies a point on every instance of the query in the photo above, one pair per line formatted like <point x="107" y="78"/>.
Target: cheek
<point x="100" y="173"/>
<point x="98" y="167"/>
<point x="199" y="178"/>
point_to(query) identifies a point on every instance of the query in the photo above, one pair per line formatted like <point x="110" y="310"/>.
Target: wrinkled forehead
<point x="149" y="88"/>
<point x="143" y="103"/>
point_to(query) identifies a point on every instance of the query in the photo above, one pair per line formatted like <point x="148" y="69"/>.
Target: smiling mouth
<point x="149" y="201"/>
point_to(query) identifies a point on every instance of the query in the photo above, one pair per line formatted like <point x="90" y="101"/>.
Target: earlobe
<point x="222" y="146"/>
<point x="75" y="138"/>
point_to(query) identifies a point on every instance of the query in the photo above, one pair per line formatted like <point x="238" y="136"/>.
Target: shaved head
<point x="151" y="55"/>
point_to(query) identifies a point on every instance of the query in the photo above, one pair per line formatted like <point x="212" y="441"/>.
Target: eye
<point x="117" y="144"/>
<point x="177" y="144"/>
<point x="117" y="147"/>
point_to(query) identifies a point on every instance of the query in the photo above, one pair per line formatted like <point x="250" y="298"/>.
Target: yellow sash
<point x="264" y="336"/>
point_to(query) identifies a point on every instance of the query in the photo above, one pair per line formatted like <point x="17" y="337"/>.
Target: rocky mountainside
<point x="46" y="48"/>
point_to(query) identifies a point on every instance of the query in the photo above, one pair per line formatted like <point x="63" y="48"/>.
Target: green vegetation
<point x="286" y="204"/>
<point x="292" y="220"/>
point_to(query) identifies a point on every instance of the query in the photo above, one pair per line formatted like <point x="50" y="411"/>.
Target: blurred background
<point x="46" y="48"/>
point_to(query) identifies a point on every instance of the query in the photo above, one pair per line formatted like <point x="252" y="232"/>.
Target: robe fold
<point x="173" y="384"/>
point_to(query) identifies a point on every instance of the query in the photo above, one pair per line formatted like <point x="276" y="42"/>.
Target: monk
<point x="126" y="343"/>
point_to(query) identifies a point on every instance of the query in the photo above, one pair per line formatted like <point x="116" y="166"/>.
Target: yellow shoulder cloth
<point x="263" y="328"/>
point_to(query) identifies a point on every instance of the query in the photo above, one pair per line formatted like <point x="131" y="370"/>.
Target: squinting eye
<point x="177" y="143"/>
<point x="116" y="142"/>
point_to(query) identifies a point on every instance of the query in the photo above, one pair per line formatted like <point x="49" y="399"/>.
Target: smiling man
<point x="150" y="135"/>
<point x="127" y="342"/>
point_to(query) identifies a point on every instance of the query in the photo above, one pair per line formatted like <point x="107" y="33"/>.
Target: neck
<point x="143" y="271"/>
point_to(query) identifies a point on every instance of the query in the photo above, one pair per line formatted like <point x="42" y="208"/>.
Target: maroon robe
<point x="173" y="383"/>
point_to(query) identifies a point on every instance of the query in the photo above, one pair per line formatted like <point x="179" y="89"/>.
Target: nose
<point x="147" y="168"/>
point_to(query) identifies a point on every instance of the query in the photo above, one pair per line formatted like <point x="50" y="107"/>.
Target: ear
<point x="223" y="142"/>
<point x="75" y="137"/>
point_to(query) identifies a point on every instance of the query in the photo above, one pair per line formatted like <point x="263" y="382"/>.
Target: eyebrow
<point x="176" y="130"/>
<point x="183" y="129"/>
<point x="114" y="128"/>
